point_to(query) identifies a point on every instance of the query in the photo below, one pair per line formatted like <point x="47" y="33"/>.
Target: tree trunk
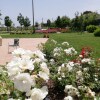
<point x="10" y="29"/>
<point x="7" y="28"/>
<point x="21" y="28"/>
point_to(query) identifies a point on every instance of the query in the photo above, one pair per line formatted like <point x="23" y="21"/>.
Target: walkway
<point x="25" y="43"/>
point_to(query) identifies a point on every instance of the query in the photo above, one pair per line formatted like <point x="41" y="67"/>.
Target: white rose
<point x="26" y="64"/>
<point x="37" y="60"/>
<point x="40" y="55"/>
<point x="90" y="93"/>
<point x="29" y="53"/>
<point x="43" y="64"/>
<point x="39" y="94"/>
<point x="56" y="54"/>
<point x="59" y="78"/>
<point x="80" y="56"/>
<point x="28" y="99"/>
<point x="63" y="75"/>
<point x="65" y="43"/>
<point x="44" y="68"/>
<point x="70" y="65"/>
<point x="23" y="82"/>
<point x="43" y="75"/>
<point x="67" y="88"/>
<point x="70" y="51"/>
<point x="68" y="98"/>
<point x="71" y="91"/>
<point x="79" y="74"/>
<point x="86" y="60"/>
<point x="13" y="99"/>
<point x="13" y="68"/>
<point x="18" y="52"/>
<point x="52" y="61"/>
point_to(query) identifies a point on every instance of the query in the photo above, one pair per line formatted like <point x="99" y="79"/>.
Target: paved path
<point x="25" y="43"/>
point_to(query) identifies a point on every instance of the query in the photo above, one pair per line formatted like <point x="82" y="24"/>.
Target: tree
<point x="90" y="18"/>
<point x="36" y="24"/>
<point x="20" y="18"/>
<point x="26" y="22"/>
<point x="58" y="22"/>
<point x="0" y="13"/>
<point x="8" y="22"/>
<point x="65" y="21"/>
<point x="48" y="23"/>
<point x="87" y="12"/>
<point x="79" y="23"/>
<point x="75" y="22"/>
<point x="53" y="25"/>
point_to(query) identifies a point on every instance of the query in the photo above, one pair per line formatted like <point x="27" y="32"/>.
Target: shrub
<point x="56" y="72"/>
<point x="97" y="32"/>
<point x="65" y="30"/>
<point x="91" y="28"/>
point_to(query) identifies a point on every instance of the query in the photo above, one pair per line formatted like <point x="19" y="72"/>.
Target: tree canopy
<point x="26" y="22"/>
<point x="8" y="22"/>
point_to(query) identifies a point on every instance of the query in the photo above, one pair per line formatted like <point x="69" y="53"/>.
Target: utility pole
<point x="33" y="16"/>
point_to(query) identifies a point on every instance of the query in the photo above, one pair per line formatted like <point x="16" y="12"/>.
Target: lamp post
<point x="33" y="16"/>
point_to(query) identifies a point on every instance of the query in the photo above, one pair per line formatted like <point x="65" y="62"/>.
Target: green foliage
<point x="23" y="35"/>
<point x="0" y="13"/>
<point x="53" y="24"/>
<point x="78" y="40"/>
<point x="80" y="22"/>
<point x="36" y="24"/>
<point x="75" y="22"/>
<point x="8" y="22"/>
<point x="20" y="18"/>
<point x="90" y="71"/>
<point x="87" y="12"/>
<point x="48" y="48"/>
<point x="91" y="28"/>
<point x="26" y="22"/>
<point x="65" y="21"/>
<point x="62" y="22"/>
<point x="97" y="32"/>
<point x="48" y="23"/>
<point x="58" y="22"/>
<point x="6" y="85"/>
<point x="67" y="68"/>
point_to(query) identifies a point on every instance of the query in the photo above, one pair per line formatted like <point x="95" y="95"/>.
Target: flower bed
<point x="57" y="72"/>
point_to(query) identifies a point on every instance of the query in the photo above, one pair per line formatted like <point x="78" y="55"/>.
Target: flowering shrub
<point x="6" y="86"/>
<point x="75" y="76"/>
<point x="56" y="72"/>
<point x="29" y="73"/>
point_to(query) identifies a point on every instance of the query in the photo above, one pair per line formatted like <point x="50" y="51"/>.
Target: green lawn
<point x="80" y="40"/>
<point x="21" y="35"/>
<point x="77" y="40"/>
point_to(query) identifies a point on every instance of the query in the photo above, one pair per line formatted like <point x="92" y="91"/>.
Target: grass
<point x="77" y="40"/>
<point x="80" y="40"/>
<point x="21" y="35"/>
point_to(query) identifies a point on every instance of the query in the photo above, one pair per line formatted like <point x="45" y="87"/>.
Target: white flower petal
<point x="43" y="75"/>
<point x="23" y="82"/>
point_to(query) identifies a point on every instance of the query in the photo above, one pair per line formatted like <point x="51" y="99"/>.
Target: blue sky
<point x="46" y="9"/>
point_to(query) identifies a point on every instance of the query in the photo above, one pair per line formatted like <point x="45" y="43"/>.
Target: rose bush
<point x="57" y="72"/>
